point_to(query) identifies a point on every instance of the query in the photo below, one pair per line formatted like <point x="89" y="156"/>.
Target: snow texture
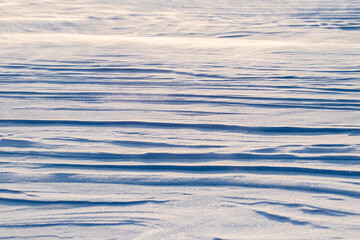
<point x="176" y="119"/>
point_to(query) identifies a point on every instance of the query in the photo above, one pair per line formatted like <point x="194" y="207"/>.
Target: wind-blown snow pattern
<point x="183" y="119"/>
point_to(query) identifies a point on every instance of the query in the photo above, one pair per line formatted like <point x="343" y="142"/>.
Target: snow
<point x="179" y="119"/>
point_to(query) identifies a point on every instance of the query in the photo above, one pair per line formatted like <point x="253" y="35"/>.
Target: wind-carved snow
<point x="179" y="119"/>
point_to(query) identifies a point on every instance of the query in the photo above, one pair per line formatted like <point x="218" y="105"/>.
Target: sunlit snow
<point x="175" y="119"/>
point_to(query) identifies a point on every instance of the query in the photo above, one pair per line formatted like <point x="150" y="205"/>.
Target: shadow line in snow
<point x="284" y="219"/>
<point x="200" y="127"/>
<point x="130" y="70"/>
<point x="77" y="224"/>
<point x="137" y="144"/>
<point x="34" y="202"/>
<point x="210" y="169"/>
<point x="178" y="157"/>
<point x="305" y="208"/>
<point x="176" y="182"/>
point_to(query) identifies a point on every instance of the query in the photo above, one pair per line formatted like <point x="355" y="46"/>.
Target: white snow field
<point x="169" y="119"/>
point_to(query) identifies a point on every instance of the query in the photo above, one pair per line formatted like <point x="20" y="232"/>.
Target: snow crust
<point x="180" y="119"/>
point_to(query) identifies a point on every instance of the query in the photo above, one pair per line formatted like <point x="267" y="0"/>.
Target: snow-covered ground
<point x="167" y="119"/>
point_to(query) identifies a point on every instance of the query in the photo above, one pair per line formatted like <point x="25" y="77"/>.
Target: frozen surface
<point x="180" y="119"/>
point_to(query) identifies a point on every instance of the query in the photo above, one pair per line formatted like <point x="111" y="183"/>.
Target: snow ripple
<point x="179" y="119"/>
